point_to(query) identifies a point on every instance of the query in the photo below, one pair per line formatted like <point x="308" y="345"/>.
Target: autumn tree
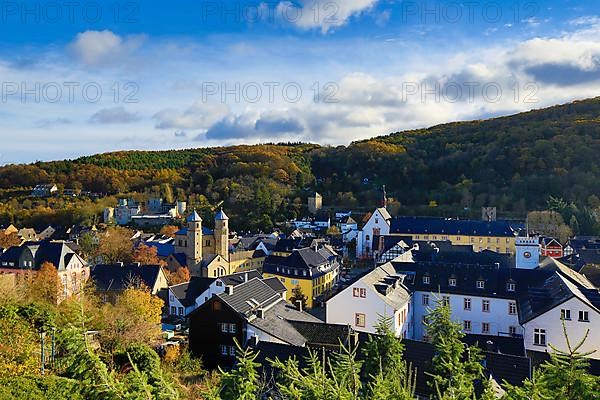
<point x="43" y="285"/>
<point x="135" y="317"/>
<point x="116" y="245"/>
<point x="181" y="275"/>
<point x="146" y="255"/>
<point x="9" y="240"/>
<point x="169" y="230"/>
<point x="549" y="223"/>
<point x="18" y="344"/>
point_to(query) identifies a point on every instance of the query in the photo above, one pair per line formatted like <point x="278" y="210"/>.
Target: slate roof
<point x="194" y="217"/>
<point x="205" y="231"/>
<point x="162" y="249"/>
<point x="385" y="213"/>
<point x="387" y="284"/>
<point x="495" y="278"/>
<point x="188" y="292"/>
<point x="275" y="284"/>
<point x="240" y="277"/>
<point x="302" y="262"/>
<point x="318" y="334"/>
<point x="116" y="277"/>
<point x="286" y="245"/>
<point x="250" y="296"/>
<point x="429" y="225"/>
<point x="554" y="291"/>
<point x="221" y="216"/>
<point x="57" y="253"/>
<point x="278" y="320"/>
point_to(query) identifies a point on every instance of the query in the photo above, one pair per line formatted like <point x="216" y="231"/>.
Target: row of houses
<point x="487" y="293"/>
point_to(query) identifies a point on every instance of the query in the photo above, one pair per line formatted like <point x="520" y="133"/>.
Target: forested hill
<point x="514" y="163"/>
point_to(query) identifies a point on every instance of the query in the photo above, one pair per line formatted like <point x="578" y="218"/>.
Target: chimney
<point x="253" y="342"/>
<point x="229" y="290"/>
<point x="299" y="305"/>
<point x="260" y="313"/>
<point x="245" y="277"/>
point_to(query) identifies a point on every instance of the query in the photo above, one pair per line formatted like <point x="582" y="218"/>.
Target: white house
<point x="560" y="299"/>
<point x="186" y="297"/>
<point x="378" y="294"/>
<point x="377" y="225"/>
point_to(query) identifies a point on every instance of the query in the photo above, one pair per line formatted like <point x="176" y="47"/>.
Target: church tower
<point x="222" y="234"/>
<point x="527" y="252"/>
<point x="194" y="242"/>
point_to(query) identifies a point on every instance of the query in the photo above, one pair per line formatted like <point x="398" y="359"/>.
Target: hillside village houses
<point x="26" y="259"/>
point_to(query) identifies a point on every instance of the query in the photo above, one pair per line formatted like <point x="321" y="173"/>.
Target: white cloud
<point x="103" y="47"/>
<point x="200" y="116"/>
<point x="115" y="115"/>
<point x="326" y="15"/>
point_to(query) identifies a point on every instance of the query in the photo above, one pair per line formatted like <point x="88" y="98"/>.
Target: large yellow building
<point x="498" y="236"/>
<point x="314" y="271"/>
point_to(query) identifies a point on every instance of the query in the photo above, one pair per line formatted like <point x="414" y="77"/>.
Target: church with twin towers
<point x="204" y="251"/>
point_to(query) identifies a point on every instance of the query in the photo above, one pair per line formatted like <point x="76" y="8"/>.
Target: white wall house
<point x="477" y="315"/>
<point x="186" y="297"/>
<point x="378" y="294"/>
<point x="578" y="307"/>
<point x="378" y="224"/>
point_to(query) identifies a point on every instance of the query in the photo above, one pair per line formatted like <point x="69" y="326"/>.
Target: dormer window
<point x="480" y="284"/>
<point x="511" y="287"/>
<point x="452" y="282"/>
<point x="426" y="280"/>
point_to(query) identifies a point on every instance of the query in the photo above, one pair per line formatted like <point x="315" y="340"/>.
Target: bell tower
<point x="222" y="234"/>
<point x="194" y="242"/>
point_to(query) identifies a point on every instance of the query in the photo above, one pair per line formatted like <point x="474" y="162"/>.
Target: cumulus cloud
<point x="115" y="115"/>
<point x="271" y="124"/>
<point x="199" y="116"/>
<point x="327" y="15"/>
<point x="103" y="47"/>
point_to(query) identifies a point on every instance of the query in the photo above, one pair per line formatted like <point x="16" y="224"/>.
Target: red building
<point x="551" y="247"/>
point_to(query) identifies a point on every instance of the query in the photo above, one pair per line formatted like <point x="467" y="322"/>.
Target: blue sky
<point x="88" y="77"/>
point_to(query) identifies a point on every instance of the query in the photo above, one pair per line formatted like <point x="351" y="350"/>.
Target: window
<point x="219" y="283"/>
<point x="425" y="299"/>
<point x="565" y="314"/>
<point x="376" y="220"/>
<point x="512" y="308"/>
<point x="539" y="337"/>
<point x="224" y="327"/>
<point x="426" y="280"/>
<point x="223" y="349"/>
<point x="511" y="286"/>
<point x="512" y="330"/>
<point x="359" y="320"/>
<point x="232" y="351"/>
<point x="232" y="328"/>
<point x="446" y="300"/>
<point x="180" y="310"/>
<point x="480" y="284"/>
<point x="359" y="292"/>
<point x="467" y="304"/>
<point x="467" y="326"/>
<point x="425" y="320"/>
<point x="584" y="316"/>
<point x="485" y="327"/>
<point x="173" y="310"/>
<point x="294" y="281"/>
<point x="452" y="282"/>
<point x="485" y="305"/>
